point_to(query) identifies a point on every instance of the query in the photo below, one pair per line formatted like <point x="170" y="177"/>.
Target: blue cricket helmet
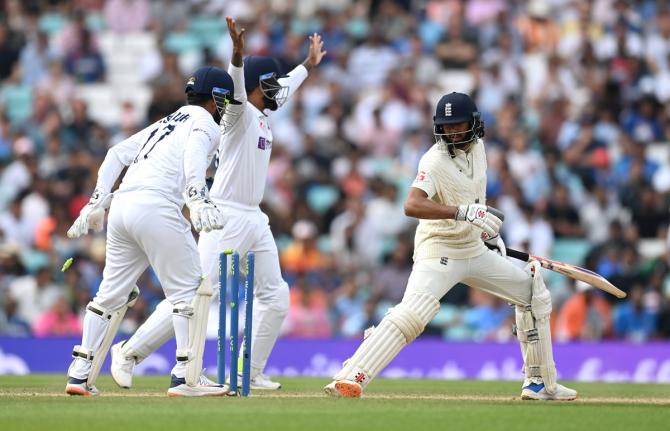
<point x="265" y="72"/>
<point x="454" y="108"/>
<point x="216" y="82"/>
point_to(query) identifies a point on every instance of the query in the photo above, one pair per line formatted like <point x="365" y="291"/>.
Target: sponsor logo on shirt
<point x="264" y="144"/>
<point x="421" y="176"/>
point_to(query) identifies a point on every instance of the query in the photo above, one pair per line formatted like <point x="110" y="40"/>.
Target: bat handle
<point x="516" y="254"/>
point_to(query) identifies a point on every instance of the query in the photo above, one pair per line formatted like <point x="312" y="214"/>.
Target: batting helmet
<point x="456" y="108"/>
<point x="264" y="72"/>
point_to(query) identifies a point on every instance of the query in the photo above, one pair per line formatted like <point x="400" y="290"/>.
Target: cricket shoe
<point x="206" y="381"/>
<point x="260" y="382"/>
<point x="537" y="391"/>
<point x="122" y="366"/>
<point x="179" y="388"/>
<point x="343" y="388"/>
<point x="80" y="387"/>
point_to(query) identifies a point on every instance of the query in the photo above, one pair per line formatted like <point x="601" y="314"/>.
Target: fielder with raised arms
<point x="239" y="183"/>
<point x="449" y="197"/>
<point x="166" y="164"/>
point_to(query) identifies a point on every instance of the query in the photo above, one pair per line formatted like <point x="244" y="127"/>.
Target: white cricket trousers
<point x="246" y="229"/>
<point x="489" y="272"/>
<point x="144" y="228"/>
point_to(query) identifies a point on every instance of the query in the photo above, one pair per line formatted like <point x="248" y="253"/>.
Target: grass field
<point x="37" y="402"/>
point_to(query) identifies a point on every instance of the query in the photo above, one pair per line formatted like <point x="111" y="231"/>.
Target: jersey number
<point x="166" y="131"/>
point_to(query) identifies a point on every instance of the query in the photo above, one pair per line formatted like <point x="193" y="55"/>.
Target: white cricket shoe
<point x="260" y="382"/>
<point x="537" y="391"/>
<point x="343" y="388"/>
<point x="79" y="387"/>
<point x="122" y="366"/>
<point x="179" y="388"/>
<point x="206" y="381"/>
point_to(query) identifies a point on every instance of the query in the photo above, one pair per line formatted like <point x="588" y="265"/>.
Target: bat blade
<point x="582" y="274"/>
<point x="571" y="271"/>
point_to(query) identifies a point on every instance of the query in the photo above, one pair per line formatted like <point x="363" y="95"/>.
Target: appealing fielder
<point x="166" y="164"/>
<point x="239" y="183"/>
<point x="449" y="196"/>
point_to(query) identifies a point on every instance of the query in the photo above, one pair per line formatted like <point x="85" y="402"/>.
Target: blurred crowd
<point x="574" y="95"/>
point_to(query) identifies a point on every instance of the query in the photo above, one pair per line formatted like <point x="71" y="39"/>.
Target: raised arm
<point x="298" y="75"/>
<point x="235" y="69"/>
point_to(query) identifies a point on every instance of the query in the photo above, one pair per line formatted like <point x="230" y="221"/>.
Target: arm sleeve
<point x="117" y="158"/>
<point x="202" y="141"/>
<point x="237" y="73"/>
<point x="234" y="112"/>
<point x="424" y="181"/>
<point x="294" y="79"/>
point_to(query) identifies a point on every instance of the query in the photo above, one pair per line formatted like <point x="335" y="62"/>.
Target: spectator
<point x="632" y="319"/>
<point x="85" y="62"/>
<point x="58" y="320"/>
<point x="308" y="313"/>
<point x="585" y="316"/>
<point x="127" y="16"/>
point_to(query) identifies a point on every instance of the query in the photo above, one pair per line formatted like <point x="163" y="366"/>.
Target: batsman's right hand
<point x="481" y="216"/>
<point x="92" y="216"/>
<point x="204" y="214"/>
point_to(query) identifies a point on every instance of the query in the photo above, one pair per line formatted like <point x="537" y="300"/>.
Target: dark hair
<point x="197" y="99"/>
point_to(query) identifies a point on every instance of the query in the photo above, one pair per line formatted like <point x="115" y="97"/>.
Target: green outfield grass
<point x="37" y="402"/>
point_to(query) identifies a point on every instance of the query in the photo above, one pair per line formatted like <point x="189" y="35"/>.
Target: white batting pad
<point x="402" y="324"/>
<point x="152" y="334"/>
<point x="197" y="330"/>
<point x="534" y="333"/>
<point x="113" y="319"/>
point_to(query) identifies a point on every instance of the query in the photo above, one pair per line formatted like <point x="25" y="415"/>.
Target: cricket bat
<point x="572" y="271"/>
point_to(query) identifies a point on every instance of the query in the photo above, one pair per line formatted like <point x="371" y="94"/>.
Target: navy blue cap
<point x="256" y="66"/>
<point x="205" y="79"/>
<point x="455" y="108"/>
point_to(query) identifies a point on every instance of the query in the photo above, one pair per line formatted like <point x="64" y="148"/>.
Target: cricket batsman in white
<point x="166" y="164"/>
<point x="448" y="196"/>
<point x="239" y="183"/>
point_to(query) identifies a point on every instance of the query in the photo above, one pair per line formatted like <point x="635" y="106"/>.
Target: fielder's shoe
<point x="79" y="387"/>
<point x="260" y="382"/>
<point x="206" y="381"/>
<point x="343" y="388"/>
<point x="537" y="391"/>
<point x="179" y="388"/>
<point x="122" y="366"/>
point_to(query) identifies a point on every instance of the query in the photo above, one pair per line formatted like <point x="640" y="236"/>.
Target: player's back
<point x="158" y="165"/>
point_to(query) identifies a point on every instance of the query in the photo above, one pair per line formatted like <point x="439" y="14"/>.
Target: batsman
<point x="448" y="197"/>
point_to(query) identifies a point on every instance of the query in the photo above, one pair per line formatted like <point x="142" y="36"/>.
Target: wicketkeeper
<point x="166" y="168"/>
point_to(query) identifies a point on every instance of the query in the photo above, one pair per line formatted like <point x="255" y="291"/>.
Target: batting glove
<point x="204" y="214"/>
<point x="480" y="216"/>
<point x="92" y="216"/>
<point x="496" y="243"/>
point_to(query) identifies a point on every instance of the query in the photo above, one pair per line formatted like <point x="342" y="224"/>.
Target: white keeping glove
<point x="92" y="216"/>
<point x="497" y="243"/>
<point x="204" y="214"/>
<point x="480" y="216"/>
